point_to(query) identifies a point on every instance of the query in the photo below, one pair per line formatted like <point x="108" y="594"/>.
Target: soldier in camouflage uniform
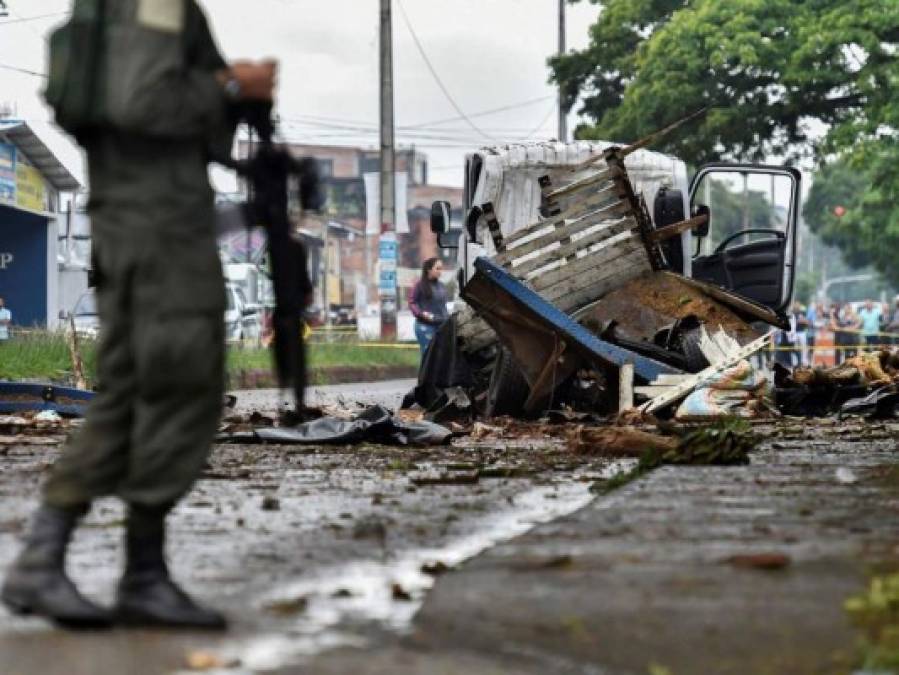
<point x="161" y="299"/>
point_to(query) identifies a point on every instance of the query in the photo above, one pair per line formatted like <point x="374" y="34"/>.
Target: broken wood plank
<point x="574" y="247"/>
<point x="626" y="387"/>
<point x="561" y="233"/>
<point x="496" y="232"/>
<point x="619" y="259"/>
<point x="578" y="185"/>
<point x="570" y="287"/>
<point x="677" y="229"/>
<point x="30" y="440"/>
<point x="606" y="201"/>
<point x="654" y="391"/>
<point x="668" y="379"/>
<point x="687" y="387"/>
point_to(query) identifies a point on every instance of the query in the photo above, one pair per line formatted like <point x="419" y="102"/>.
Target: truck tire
<point x="668" y="210"/>
<point x="696" y="360"/>
<point x="508" y="390"/>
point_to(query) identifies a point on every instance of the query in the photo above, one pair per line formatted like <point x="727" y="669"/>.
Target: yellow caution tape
<point x="387" y="345"/>
<point x="830" y="348"/>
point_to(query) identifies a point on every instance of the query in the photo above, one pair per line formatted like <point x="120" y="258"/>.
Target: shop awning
<point x="21" y="135"/>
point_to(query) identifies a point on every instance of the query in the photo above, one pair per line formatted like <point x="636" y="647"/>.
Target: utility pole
<point x="326" y="227"/>
<point x="387" y="249"/>
<point x="563" y="117"/>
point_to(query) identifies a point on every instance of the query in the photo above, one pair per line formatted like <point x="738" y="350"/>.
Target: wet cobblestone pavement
<point x="303" y="547"/>
<point x="686" y="570"/>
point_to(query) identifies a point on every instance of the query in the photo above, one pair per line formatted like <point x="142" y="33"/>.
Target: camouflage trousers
<point x="149" y="430"/>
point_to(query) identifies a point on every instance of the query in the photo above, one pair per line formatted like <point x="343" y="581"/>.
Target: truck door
<point x="749" y="246"/>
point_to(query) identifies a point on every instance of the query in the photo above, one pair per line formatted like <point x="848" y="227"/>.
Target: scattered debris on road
<point x="375" y="424"/>
<point x="863" y="385"/>
<point x="563" y="307"/>
<point x="761" y="561"/>
<point x="617" y="441"/>
<point x="16" y="398"/>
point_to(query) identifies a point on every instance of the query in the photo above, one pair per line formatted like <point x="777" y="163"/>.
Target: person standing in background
<point x="837" y="324"/>
<point x="869" y="322"/>
<point x="427" y="301"/>
<point x="892" y="326"/>
<point x="800" y="325"/>
<point x="813" y="316"/>
<point x="5" y="321"/>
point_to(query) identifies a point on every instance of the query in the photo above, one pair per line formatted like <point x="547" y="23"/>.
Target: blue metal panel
<point x="536" y="307"/>
<point x="17" y="397"/>
<point x="23" y="266"/>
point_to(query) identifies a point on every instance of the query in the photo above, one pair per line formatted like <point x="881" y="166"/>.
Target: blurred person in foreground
<point x="427" y="301"/>
<point x="165" y="113"/>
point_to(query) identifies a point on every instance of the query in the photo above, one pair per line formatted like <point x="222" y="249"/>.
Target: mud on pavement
<point x="688" y="569"/>
<point x="304" y="548"/>
<point x="324" y="558"/>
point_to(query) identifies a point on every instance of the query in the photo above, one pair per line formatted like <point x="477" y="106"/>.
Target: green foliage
<point x="876" y="613"/>
<point x="723" y="442"/>
<point x="43" y="356"/>
<point x="765" y="67"/>
<point x="774" y="73"/>
<point x="806" y="285"/>
<point x="868" y="232"/>
<point x="325" y="355"/>
<point x="727" y="441"/>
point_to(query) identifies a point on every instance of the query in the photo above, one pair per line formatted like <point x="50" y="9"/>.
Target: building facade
<point x="34" y="281"/>
<point x="348" y="228"/>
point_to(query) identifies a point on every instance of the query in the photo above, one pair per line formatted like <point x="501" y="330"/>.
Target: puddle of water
<point x="370" y="599"/>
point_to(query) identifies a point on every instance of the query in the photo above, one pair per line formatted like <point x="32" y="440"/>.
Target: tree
<point x="768" y="69"/>
<point x="790" y="78"/>
<point x="867" y="231"/>
<point x="601" y="72"/>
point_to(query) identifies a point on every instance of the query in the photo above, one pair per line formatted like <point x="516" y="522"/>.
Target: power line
<point x="542" y="122"/>
<point x="28" y="19"/>
<point x="424" y="125"/>
<point x="484" y="113"/>
<point x="444" y="134"/>
<point x="437" y="79"/>
<point x="16" y="69"/>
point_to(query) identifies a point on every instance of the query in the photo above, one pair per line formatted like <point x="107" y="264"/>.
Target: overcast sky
<point x="488" y="53"/>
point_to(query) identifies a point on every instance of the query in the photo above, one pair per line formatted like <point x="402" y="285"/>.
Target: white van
<point x="242" y="320"/>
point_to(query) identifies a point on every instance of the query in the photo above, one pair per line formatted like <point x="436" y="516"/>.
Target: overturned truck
<point x="577" y="260"/>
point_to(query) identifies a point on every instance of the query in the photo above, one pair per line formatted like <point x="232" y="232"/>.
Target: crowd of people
<point x="868" y="326"/>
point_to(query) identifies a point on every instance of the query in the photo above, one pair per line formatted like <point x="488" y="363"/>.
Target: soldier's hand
<point x="257" y="80"/>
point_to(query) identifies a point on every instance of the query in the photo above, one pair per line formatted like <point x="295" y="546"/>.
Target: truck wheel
<point x="696" y="360"/>
<point x="508" y="390"/>
<point x="667" y="210"/>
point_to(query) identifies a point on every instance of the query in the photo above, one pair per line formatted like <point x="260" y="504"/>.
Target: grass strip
<point x="45" y="356"/>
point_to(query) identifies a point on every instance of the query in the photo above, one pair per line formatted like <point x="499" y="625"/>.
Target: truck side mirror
<point x="702" y="230"/>
<point x="440" y="217"/>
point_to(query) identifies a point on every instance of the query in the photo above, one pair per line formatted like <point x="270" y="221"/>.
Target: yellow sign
<point x="30" y="190"/>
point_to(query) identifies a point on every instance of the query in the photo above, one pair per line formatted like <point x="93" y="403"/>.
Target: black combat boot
<point x="147" y="596"/>
<point x="37" y="582"/>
